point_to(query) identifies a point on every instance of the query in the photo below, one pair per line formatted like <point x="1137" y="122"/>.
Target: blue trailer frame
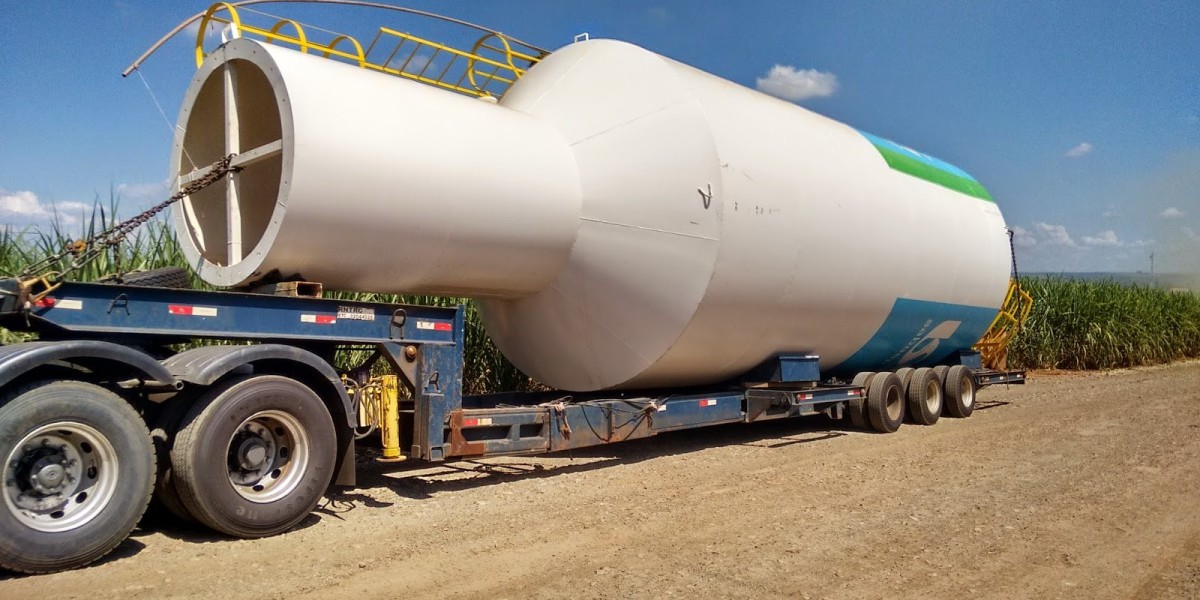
<point x="107" y="350"/>
<point x="424" y="345"/>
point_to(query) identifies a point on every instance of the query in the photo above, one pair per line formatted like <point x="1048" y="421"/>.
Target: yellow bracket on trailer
<point x="993" y="346"/>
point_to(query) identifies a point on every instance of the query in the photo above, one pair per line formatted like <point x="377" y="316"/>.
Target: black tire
<point x="857" y="407"/>
<point x="960" y="392"/>
<point x="165" y="277"/>
<point x="924" y="396"/>
<point x="940" y="371"/>
<point x="885" y="403"/>
<point x="78" y="474"/>
<point x="284" y="430"/>
<point x="166" y="503"/>
<point x="905" y="375"/>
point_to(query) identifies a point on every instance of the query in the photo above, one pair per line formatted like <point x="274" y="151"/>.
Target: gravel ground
<point x="1074" y="486"/>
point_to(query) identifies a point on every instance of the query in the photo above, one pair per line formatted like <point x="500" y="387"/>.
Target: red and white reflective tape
<point x="318" y="319"/>
<point x="192" y="311"/>
<point x="803" y="397"/>
<point x="708" y="402"/>
<point x="435" y="325"/>
<point x="67" y="303"/>
<point x="854" y="393"/>
<point x="477" y="422"/>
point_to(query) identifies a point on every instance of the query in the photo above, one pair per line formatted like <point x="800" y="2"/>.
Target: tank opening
<point x="235" y="112"/>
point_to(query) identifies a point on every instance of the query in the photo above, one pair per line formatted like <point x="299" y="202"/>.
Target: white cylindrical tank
<point x="369" y="182"/>
<point x="629" y="221"/>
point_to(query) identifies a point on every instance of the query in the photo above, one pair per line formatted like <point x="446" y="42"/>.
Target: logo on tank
<point x="919" y="333"/>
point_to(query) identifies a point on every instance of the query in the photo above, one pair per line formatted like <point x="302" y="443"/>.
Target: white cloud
<point x="1083" y="149"/>
<point x="1171" y="213"/>
<point x="1023" y="237"/>
<point x="23" y="207"/>
<point x="1042" y="234"/>
<point x="1110" y="213"/>
<point x="789" y="83"/>
<point x="1052" y="235"/>
<point x="193" y="28"/>
<point x="1109" y="239"/>
<point x="19" y="204"/>
<point x="151" y="190"/>
<point x="414" y="64"/>
<point x="1191" y="233"/>
<point x="1104" y="238"/>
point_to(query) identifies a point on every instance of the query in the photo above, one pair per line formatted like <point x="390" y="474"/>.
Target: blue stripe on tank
<point x="919" y="333"/>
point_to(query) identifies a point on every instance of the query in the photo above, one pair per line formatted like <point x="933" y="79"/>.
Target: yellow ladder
<point x="489" y="68"/>
<point x="993" y="346"/>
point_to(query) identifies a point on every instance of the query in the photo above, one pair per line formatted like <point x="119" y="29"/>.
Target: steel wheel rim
<point x="267" y="456"/>
<point x="967" y="392"/>
<point x="933" y="396"/>
<point x="895" y="407"/>
<point x="60" y="477"/>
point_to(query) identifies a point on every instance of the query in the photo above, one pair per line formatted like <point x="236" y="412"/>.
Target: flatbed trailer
<point x="244" y="434"/>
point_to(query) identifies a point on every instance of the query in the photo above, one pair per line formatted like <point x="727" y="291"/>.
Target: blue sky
<point x="1082" y="118"/>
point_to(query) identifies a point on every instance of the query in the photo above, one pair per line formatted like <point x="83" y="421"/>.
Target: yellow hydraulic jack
<point x="379" y="408"/>
<point x="389" y="419"/>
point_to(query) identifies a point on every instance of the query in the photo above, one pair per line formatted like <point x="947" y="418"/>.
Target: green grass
<point x="1074" y="325"/>
<point x="1105" y="325"/>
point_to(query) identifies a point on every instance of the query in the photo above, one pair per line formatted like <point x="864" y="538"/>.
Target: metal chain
<point x="1012" y="252"/>
<point x="84" y="251"/>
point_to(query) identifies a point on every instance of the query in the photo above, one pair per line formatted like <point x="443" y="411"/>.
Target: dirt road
<point x="1075" y="486"/>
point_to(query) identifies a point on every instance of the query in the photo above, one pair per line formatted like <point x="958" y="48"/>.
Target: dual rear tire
<point x="252" y="456"/>
<point x="885" y="403"/>
<point x="925" y="394"/>
<point x="960" y="390"/>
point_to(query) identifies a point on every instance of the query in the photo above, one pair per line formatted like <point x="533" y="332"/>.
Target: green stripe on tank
<point x="923" y="166"/>
<point x="907" y="164"/>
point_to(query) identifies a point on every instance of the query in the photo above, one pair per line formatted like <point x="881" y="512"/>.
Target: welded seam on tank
<point x="592" y="319"/>
<point x="679" y="233"/>
<point x="719" y="198"/>
<point x="633" y="120"/>
<point x="768" y="325"/>
<point x="550" y="88"/>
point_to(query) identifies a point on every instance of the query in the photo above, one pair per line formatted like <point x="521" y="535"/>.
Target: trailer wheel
<point x="254" y="455"/>
<point x="885" y="403"/>
<point x="166" y="493"/>
<point x="924" y="397"/>
<point x="78" y="473"/>
<point x="960" y="392"/>
<point x="858" y="405"/>
<point x="940" y="371"/>
<point x="905" y="375"/>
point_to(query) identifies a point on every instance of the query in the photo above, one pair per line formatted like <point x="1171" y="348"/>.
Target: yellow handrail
<point x="993" y="346"/>
<point x="480" y="75"/>
<point x="302" y="39"/>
